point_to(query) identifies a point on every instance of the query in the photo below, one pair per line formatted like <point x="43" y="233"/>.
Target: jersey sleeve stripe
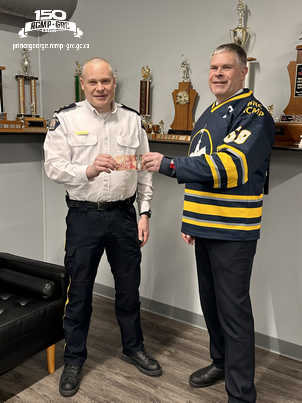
<point x="214" y="171"/>
<point x="242" y="158"/>
<point x="230" y="168"/>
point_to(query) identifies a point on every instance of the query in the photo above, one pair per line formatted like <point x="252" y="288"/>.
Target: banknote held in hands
<point x="129" y="162"/>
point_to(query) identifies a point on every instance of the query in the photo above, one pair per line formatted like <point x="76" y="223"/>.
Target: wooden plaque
<point x="289" y="129"/>
<point x="184" y="99"/>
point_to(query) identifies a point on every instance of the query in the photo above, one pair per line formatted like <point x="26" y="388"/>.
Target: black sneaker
<point x="70" y="380"/>
<point x="144" y="362"/>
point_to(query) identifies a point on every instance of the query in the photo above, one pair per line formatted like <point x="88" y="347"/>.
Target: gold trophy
<point x="8" y="126"/>
<point x="145" y="94"/>
<point x="30" y="122"/>
<point x="240" y="35"/>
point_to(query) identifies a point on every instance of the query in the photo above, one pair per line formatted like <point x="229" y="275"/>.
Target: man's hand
<point x="102" y="163"/>
<point x="152" y="161"/>
<point x="190" y="240"/>
<point x="143" y="229"/>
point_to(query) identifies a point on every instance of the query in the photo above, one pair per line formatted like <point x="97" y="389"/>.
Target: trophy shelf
<point x="23" y="132"/>
<point x="168" y="141"/>
<point x="179" y="137"/>
<point x="30" y="126"/>
<point x="288" y="136"/>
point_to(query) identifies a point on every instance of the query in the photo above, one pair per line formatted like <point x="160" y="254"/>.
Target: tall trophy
<point x="78" y="92"/>
<point x="145" y="94"/>
<point x="2" y="113"/>
<point x="31" y="121"/>
<point x="184" y="98"/>
<point x="240" y="36"/>
<point x="7" y="126"/>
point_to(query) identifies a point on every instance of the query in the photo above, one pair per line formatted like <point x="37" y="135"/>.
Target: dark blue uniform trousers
<point x="89" y="233"/>
<point x="224" y="271"/>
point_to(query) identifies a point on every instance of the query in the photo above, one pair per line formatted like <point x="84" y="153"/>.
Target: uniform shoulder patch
<point x="54" y="123"/>
<point x="63" y="108"/>
<point x="130" y="109"/>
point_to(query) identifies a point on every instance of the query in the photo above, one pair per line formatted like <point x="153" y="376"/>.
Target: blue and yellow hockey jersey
<point x="226" y="169"/>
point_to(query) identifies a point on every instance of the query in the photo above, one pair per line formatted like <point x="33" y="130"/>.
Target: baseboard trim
<point x="269" y="343"/>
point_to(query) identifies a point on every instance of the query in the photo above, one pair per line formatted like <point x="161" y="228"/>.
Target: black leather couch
<point x="32" y="301"/>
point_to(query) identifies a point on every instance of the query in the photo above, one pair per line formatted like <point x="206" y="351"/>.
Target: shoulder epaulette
<point x="130" y="109"/>
<point x="66" y="107"/>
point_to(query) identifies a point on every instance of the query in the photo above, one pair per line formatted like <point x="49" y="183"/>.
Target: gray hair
<point x="232" y="48"/>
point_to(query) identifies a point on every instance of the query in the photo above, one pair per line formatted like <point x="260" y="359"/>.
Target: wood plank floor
<point x="180" y="348"/>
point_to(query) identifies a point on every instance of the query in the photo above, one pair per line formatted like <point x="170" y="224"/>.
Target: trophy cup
<point x="289" y="128"/>
<point x="78" y="92"/>
<point x="240" y="36"/>
<point x="144" y="103"/>
<point x="184" y="98"/>
<point x="30" y="122"/>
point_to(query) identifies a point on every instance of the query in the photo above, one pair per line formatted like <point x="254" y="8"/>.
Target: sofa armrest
<point x="36" y="268"/>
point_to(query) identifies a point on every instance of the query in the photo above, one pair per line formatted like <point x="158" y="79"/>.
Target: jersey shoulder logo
<point x="254" y="107"/>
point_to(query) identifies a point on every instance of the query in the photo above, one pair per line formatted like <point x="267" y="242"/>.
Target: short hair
<point x="233" y="48"/>
<point x="97" y="60"/>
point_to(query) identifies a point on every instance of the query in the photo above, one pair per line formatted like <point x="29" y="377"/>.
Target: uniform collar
<point x="95" y="112"/>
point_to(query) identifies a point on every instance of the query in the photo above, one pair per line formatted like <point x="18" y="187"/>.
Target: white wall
<point x="21" y="175"/>
<point x="135" y="33"/>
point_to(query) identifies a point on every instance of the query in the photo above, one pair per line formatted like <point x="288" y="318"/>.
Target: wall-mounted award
<point x="289" y="128"/>
<point x="184" y="99"/>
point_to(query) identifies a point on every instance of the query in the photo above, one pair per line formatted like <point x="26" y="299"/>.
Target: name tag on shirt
<point x="80" y="133"/>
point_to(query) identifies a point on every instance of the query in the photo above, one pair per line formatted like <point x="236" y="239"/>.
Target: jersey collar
<point x="244" y="93"/>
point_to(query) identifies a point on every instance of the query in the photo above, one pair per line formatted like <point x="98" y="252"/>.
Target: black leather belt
<point x="99" y="205"/>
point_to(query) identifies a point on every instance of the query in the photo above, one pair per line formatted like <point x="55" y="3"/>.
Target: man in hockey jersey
<point x="225" y="174"/>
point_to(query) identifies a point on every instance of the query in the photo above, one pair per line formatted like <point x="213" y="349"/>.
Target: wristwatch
<point x="148" y="213"/>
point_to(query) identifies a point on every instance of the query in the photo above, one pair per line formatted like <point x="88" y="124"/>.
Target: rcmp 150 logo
<point x="50" y="21"/>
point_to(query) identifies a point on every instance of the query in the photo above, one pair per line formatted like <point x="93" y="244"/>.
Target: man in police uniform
<point x="225" y="174"/>
<point x="80" y="147"/>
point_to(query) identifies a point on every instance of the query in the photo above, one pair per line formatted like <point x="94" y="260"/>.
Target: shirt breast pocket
<point x="83" y="140"/>
<point x="127" y="145"/>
